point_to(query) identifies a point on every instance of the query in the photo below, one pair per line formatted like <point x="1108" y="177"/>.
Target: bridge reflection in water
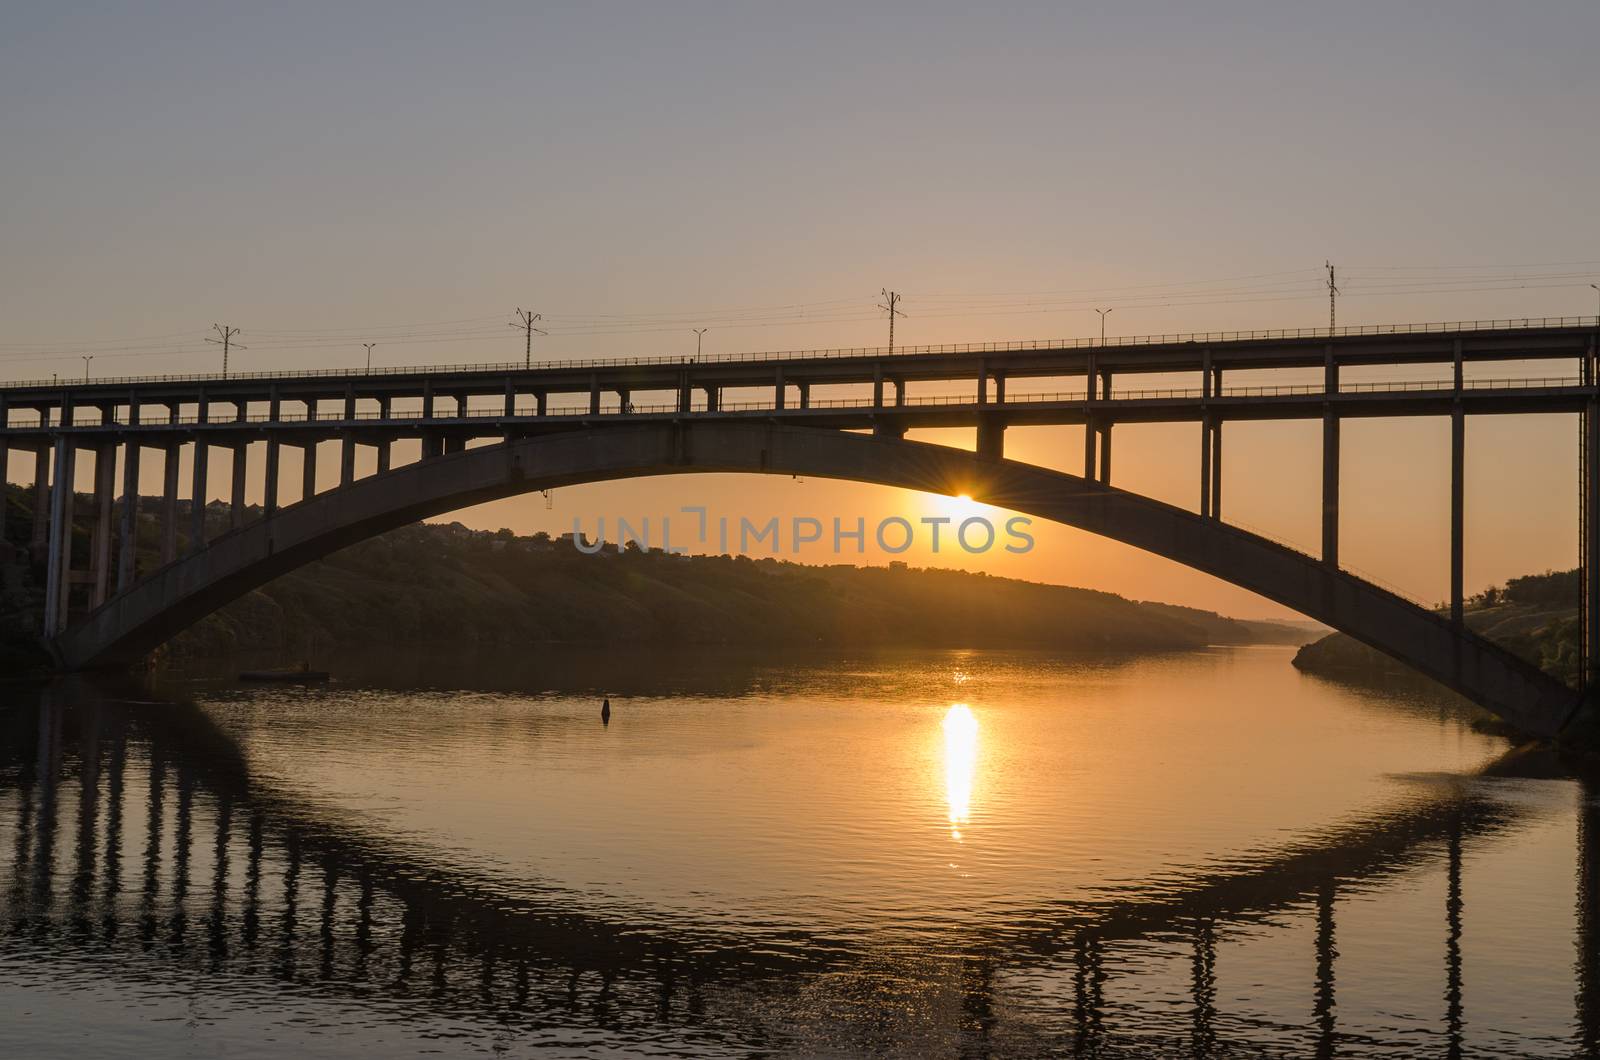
<point x="136" y="840"/>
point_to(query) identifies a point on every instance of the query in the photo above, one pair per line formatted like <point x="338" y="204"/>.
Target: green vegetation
<point x="444" y="586"/>
<point x="1535" y="616"/>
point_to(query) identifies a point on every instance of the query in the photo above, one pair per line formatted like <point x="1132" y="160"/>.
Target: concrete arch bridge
<point x="833" y="414"/>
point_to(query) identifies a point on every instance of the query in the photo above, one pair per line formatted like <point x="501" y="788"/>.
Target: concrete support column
<point x="511" y="400"/>
<point x="899" y="393"/>
<point x="713" y="398"/>
<point x="386" y="446"/>
<point x="5" y="464"/>
<point x="877" y="386"/>
<point x="1105" y="454"/>
<point x="1088" y="417"/>
<point x="169" y="503"/>
<point x="347" y="458"/>
<point x="1330" y="462"/>
<point x="269" y="491"/>
<point x="241" y="464"/>
<point x="539" y="403"/>
<point x="128" y="552"/>
<point x="41" y="500"/>
<point x="983" y="382"/>
<point x="780" y="390"/>
<point x="427" y="400"/>
<point x="1216" y="470"/>
<point x="1589" y="547"/>
<point x="1457" y="515"/>
<point x="1205" y="468"/>
<point x="594" y="395"/>
<point x="197" y="494"/>
<point x="308" y="470"/>
<point x="58" y="570"/>
<point x="105" y="492"/>
<point x="991" y="438"/>
<point x="1105" y="432"/>
<point x="1000" y="387"/>
<point x="624" y="400"/>
<point x="805" y="394"/>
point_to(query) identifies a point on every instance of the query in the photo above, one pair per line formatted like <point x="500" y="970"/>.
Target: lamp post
<point x="699" y="334"/>
<point x="1596" y="287"/>
<point x="1103" y="314"/>
<point x="369" y="346"/>
<point x="87" y="357"/>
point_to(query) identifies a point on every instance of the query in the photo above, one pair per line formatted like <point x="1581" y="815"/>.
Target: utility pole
<point x="699" y="334"/>
<point x="87" y="357"/>
<point x="1103" y="314"/>
<point x="1596" y="287"/>
<point x="226" y="337"/>
<point x="369" y="346"/>
<point x="1333" y="295"/>
<point x="525" y="318"/>
<point x="891" y="301"/>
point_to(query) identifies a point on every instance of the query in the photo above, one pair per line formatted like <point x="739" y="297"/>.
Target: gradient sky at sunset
<point x="317" y="177"/>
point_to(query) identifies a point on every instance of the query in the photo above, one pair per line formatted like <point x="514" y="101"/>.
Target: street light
<point x="1596" y="287"/>
<point x="87" y="357"/>
<point x="699" y="334"/>
<point x="1103" y="314"/>
<point x="369" y="346"/>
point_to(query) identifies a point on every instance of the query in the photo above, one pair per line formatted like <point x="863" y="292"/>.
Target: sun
<point x="957" y="508"/>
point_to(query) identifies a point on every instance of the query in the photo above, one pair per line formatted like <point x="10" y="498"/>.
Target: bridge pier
<point x="41" y="500"/>
<point x="308" y="469"/>
<point x="5" y="468"/>
<point x="269" y="490"/>
<point x="1589" y="501"/>
<point x="169" y="503"/>
<point x="1105" y="432"/>
<point x="1458" y="434"/>
<point x="197" y="494"/>
<point x="1330" y="460"/>
<point x="991" y="438"/>
<point x="105" y="488"/>
<point x="127" y="554"/>
<point x="58" y="569"/>
<point x="241" y="462"/>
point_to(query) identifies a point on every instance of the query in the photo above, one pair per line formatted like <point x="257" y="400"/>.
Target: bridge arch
<point x="181" y="593"/>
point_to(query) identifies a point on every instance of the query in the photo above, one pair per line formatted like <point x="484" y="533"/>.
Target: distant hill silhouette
<point x="448" y="587"/>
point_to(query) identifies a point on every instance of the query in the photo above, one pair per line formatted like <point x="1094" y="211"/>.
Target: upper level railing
<point x="502" y="367"/>
<point x="529" y="410"/>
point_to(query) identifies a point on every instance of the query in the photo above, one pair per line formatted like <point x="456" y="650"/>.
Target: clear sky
<point x="320" y="174"/>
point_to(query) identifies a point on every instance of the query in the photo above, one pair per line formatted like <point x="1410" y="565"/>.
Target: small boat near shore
<point x="303" y="675"/>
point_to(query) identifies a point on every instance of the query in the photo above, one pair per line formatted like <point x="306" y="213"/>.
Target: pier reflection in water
<point x="148" y="871"/>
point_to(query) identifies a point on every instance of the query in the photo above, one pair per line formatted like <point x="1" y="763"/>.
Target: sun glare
<point x="960" y="763"/>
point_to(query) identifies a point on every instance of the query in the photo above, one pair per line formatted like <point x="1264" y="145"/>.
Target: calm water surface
<point x="937" y="853"/>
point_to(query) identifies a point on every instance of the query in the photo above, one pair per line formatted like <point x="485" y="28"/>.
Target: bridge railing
<point x="839" y="353"/>
<point x="527" y="410"/>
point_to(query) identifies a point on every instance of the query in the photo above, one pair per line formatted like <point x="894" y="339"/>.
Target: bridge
<point x="492" y="431"/>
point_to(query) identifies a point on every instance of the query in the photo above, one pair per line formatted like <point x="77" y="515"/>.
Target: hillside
<point x="1535" y="616"/>
<point x="443" y="586"/>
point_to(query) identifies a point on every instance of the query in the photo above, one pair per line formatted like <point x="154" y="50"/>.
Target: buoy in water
<point x="605" y="712"/>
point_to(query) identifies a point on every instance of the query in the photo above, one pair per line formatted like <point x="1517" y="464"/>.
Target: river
<point x="935" y="853"/>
